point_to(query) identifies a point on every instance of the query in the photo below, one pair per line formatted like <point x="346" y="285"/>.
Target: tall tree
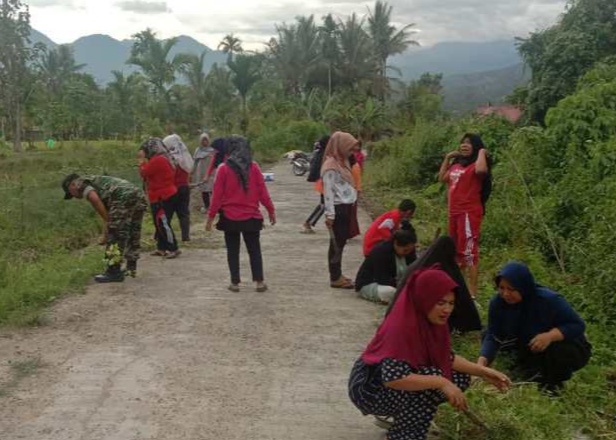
<point x="357" y="62"/>
<point x="329" y="47"/>
<point x="15" y="54"/>
<point x="230" y="45"/>
<point x="387" y="40"/>
<point x="56" y="66"/>
<point x="244" y="74"/>
<point x="152" y="56"/>
<point x="192" y="68"/>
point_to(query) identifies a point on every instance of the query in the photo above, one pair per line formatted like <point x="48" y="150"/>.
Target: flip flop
<point x="344" y="285"/>
<point x="158" y="253"/>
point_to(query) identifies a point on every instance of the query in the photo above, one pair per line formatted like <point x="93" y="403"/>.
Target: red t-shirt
<point x="181" y="177"/>
<point x="159" y="176"/>
<point x="464" y="189"/>
<point x="237" y="204"/>
<point x="382" y="229"/>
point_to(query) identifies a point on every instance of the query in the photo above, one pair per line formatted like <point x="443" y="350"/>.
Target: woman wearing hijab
<point x="158" y="172"/>
<point x="408" y="368"/>
<point x="442" y="251"/>
<point x="545" y="333"/>
<point x="239" y="188"/>
<point x="203" y="158"/>
<point x="315" y="176"/>
<point x="466" y="171"/>
<point x="182" y="157"/>
<point x="339" y="196"/>
<point x="220" y="147"/>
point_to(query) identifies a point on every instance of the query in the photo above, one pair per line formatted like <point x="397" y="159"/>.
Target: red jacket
<point x="382" y="229"/>
<point x="237" y="204"/>
<point x="159" y="177"/>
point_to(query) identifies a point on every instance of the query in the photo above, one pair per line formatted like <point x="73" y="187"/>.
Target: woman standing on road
<point x="408" y="368"/>
<point x="158" y="172"/>
<point x="183" y="159"/>
<point x="339" y="196"/>
<point x="203" y="158"/>
<point x="239" y="188"/>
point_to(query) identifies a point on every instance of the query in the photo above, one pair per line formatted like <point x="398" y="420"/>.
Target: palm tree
<point x="230" y="45"/>
<point x="152" y="56"/>
<point x="330" y="50"/>
<point x="387" y="40"/>
<point x="357" y="62"/>
<point x="192" y="68"/>
<point x="56" y="66"/>
<point x="128" y="94"/>
<point x="219" y="94"/>
<point x="244" y="74"/>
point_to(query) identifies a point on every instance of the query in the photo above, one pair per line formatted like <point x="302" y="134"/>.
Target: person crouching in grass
<point x="386" y="264"/>
<point x="121" y="205"/>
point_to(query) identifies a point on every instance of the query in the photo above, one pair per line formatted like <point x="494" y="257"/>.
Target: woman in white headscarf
<point x="200" y="177"/>
<point x="183" y="159"/>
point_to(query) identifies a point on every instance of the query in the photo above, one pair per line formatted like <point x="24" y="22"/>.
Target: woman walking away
<point x="239" y="188"/>
<point x="442" y="251"/>
<point x="466" y="171"/>
<point x="408" y="368"/>
<point x="185" y="163"/>
<point x="538" y="325"/>
<point x="339" y="196"/>
<point x="314" y="176"/>
<point x="203" y="158"/>
<point x="157" y="170"/>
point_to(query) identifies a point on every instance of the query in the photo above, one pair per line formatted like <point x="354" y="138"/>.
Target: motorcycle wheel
<point x="300" y="167"/>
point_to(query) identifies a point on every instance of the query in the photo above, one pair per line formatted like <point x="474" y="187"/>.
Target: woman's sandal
<point x="342" y="283"/>
<point x="158" y="253"/>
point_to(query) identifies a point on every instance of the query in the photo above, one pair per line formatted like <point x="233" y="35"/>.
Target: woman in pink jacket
<point x="239" y="188"/>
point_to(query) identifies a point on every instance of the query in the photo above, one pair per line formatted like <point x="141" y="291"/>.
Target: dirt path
<point x="174" y="355"/>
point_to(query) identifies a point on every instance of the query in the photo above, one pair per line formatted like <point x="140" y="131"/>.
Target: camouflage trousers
<point x="124" y="230"/>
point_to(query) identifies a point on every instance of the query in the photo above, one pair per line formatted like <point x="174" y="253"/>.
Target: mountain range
<point x="473" y="72"/>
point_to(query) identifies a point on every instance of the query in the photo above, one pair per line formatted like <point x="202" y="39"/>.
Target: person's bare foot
<point x="261" y="286"/>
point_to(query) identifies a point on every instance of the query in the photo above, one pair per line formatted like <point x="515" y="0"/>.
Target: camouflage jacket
<point x="111" y="190"/>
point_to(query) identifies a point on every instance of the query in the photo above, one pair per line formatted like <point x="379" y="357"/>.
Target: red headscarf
<point x="406" y="334"/>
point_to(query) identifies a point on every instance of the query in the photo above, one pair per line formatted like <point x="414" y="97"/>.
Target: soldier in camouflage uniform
<point x="121" y="205"/>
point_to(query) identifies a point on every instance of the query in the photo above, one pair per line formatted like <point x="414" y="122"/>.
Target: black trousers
<point x="206" y="199"/>
<point x="338" y="239"/>
<point x="183" y="210"/>
<point x="253" y="245"/>
<point x="162" y="213"/>
<point x="557" y="363"/>
<point x="316" y="214"/>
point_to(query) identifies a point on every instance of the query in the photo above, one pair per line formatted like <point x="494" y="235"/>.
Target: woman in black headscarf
<point x="239" y="189"/>
<point x="466" y="171"/>
<point x="464" y="317"/>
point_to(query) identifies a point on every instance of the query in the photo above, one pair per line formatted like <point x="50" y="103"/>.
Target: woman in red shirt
<point x="466" y="172"/>
<point x="185" y="163"/>
<point x="239" y="188"/>
<point x="158" y="172"/>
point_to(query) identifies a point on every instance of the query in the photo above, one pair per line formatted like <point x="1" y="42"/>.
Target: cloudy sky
<point x="254" y="20"/>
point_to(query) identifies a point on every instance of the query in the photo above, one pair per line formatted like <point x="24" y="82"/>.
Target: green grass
<point x="588" y="405"/>
<point x="47" y="243"/>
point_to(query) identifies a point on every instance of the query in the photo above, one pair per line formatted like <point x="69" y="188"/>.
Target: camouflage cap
<point x="66" y="183"/>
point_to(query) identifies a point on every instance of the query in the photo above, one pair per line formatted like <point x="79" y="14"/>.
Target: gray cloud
<point x="144" y="7"/>
<point x="443" y="20"/>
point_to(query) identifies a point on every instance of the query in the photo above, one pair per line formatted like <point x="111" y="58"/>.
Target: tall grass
<point x="43" y="238"/>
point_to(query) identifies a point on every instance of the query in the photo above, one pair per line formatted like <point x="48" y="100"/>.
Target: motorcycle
<point x="300" y="162"/>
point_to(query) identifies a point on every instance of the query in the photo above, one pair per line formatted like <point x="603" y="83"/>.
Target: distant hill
<point x="452" y="58"/>
<point x="102" y="54"/>
<point x="466" y="92"/>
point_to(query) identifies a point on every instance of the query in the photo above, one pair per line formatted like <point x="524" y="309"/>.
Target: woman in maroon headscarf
<point x="408" y="368"/>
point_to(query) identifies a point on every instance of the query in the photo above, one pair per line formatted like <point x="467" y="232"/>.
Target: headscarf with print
<point x="339" y="149"/>
<point x="406" y="334"/>
<point x="240" y="158"/>
<point x="155" y="147"/>
<point x="179" y="151"/>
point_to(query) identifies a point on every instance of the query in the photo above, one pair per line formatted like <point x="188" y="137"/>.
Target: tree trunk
<point x="17" y="148"/>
